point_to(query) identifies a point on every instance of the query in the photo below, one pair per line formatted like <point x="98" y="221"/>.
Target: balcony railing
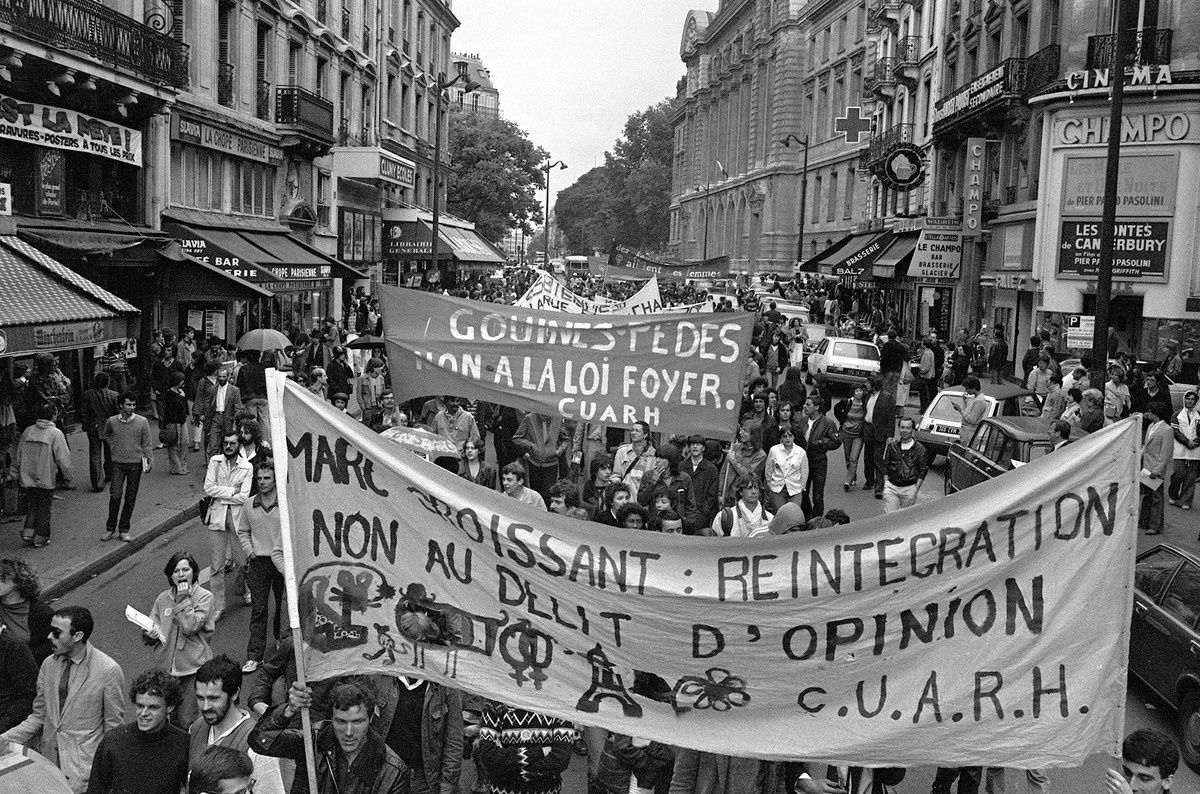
<point x="881" y="74"/>
<point x="262" y="108"/>
<point x="882" y="12"/>
<point x="323" y="11"/>
<point x="908" y="51"/>
<point x="346" y="23"/>
<point x="301" y="108"/>
<point x="1041" y="68"/>
<point x="1146" y="47"/>
<point x="103" y="33"/>
<point x="225" y="74"/>
<point x="881" y="144"/>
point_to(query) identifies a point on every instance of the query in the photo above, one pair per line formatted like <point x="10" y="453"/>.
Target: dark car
<point x="1000" y="444"/>
<point x="1164" y="641"/>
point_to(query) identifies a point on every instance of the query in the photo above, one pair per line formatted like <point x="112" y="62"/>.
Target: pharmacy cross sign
<point x="852" y="124"/>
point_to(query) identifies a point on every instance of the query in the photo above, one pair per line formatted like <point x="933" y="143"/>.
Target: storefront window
<point x="933" y="310"/>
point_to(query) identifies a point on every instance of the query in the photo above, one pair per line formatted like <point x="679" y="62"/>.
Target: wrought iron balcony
<point x="302" y="109"/>
<point x="881" y="78"/>
<point x="225" y="73"/>
<point x="364" y="137"/>
<point x="883" y="12"/>
<point x="1146" y="47"/>
<point x="323" y="11"/>
<point x="1041" y="68"/>
<point x="882" y="143"/>
<point x="908" y="51"/>
<point x="262" y="108"/>
<point x="103" y="33"/>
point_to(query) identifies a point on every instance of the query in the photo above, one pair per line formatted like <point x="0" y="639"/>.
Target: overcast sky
<point x="570" y="72"/>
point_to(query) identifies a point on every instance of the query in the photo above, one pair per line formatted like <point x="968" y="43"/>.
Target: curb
<point x="121" y="551"/>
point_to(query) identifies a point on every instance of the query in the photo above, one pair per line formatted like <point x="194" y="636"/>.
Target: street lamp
<point x="469" y="85"/>
<point x="546" y="169"/>
<point x="803" y="191"/>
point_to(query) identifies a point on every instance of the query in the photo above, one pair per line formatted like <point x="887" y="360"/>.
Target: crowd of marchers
<point x="392" y="734"/>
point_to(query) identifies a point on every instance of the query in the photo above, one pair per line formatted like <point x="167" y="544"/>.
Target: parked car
<point x="1000" y="444"/>
<point x="1177" y="390"/>
<point x="843" y="361"/>
<point x="1164" y="643"/>
<point x="939" y="426"/>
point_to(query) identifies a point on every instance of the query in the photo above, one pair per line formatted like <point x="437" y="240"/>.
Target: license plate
<point x="949" y="431"/>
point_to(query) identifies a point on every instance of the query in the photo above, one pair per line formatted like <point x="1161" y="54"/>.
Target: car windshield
<point x="942" y="408"/>
<point x="856" y="350"/>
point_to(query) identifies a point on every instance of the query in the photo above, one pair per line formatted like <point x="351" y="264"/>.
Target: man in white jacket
<point x="227" y="485"/>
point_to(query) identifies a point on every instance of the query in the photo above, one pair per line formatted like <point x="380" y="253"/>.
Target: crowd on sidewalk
<point x="392" y="734"/>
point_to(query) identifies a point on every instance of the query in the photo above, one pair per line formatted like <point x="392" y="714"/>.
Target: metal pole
<point x="546" y="242"/>
<point x="437" y="171"/>
<point x="803" y="203"/>
<point x="1108" y="220"/>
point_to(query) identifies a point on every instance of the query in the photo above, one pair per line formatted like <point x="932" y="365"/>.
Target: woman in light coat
<point x="183" y="628"/>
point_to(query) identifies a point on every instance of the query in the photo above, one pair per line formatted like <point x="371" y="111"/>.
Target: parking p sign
<point x="1080" y="328"/>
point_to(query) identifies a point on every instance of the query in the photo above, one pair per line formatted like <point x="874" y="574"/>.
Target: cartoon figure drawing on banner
<point x="387" y="644"/>
<point x="328" y="611"/>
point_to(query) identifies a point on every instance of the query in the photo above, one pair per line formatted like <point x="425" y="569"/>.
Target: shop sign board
<point x="5" y="198"/>
<point x="302" y="271"/>
<point x="904" y="167"/>
<point x="939" y="250"/>
<point x="1140" y="249"/>
<point x="361" y="162"/>
<point x="1146" y="186"/>
<point x="973" y="95"/>
<point x="406" y="240"/>
<point x="1080" y="328"/>
<point x="861" y="260"/>
<point x="199" y="133"/>
<point x="213" y="255"/>
<point x="50" y="337"/>
<point x="1092" y="130"/>
<point x="49" y="183"/>
<point x="68" y="130"/>
<point x="973" y="197"/>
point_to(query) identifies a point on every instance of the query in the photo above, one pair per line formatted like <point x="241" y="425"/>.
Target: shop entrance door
<point x="933" y="310"/>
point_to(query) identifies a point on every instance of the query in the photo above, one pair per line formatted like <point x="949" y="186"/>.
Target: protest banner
<point x="678" y="372"/>
<point x="628" y="264"/>
<point x="986" y="628"/>
<point x="550" y="294"/>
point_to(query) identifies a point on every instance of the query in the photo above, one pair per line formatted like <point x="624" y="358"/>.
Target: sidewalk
<point x="76" y="553"/>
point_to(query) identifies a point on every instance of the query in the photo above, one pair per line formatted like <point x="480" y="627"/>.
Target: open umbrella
<point x="262" y="339"/>
<point x="422" y="442"/>
<point x="366" y="342"/>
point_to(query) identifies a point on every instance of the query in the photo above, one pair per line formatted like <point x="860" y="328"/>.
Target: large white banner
<point x="989" y="627"/>
<point x="550" y="294"/>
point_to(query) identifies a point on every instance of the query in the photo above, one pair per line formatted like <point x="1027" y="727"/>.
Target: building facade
<point x="1156" y="273"/>
<point x="486" y="97"/>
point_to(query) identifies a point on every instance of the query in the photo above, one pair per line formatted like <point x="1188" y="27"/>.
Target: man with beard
<point x="148" y="755"/>
<point x="221" y="720"/>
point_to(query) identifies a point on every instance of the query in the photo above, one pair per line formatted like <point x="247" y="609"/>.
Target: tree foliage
<point x="493" y="180"/>
<point x="628" y="198"/>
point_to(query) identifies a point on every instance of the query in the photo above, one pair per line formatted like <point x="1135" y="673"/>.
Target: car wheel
<point x="1189" y="729"/>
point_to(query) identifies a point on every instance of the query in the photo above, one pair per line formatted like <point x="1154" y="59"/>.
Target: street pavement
<point x="106" y="577"/>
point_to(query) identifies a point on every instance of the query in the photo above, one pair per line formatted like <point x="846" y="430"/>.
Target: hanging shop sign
<point x="1139" y="252"/>
<point x="973" y="197"/>
<point x="1092" y="130"/>
<point x="975" y="95"/>
<point x="1146" y="186"/>
<point x="903" y="167"/>
<point x="221" y="139"/>
<point x="1147" y="74"/>
<point x="59" y="128"/>
<point x="939" y="250"/>
<point x="49" y="182"/>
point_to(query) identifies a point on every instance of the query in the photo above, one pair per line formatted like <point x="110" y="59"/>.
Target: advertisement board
<point x="939" y="250"/>
<point x="68" y="130"/>
<point x="1139" y="254"/>
<point x="1147" y="184"/>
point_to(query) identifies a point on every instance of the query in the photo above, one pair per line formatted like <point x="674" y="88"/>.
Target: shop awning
<point x="413" y="240"/>
<point x="49" y="307"/>
<point x="896" y="257"/>
<point x="260" y="252"/>
<point x="858" y="254"/>
<point x="214" y="282"/>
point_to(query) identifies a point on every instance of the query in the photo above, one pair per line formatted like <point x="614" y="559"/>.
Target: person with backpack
<point x="747" y="517"/>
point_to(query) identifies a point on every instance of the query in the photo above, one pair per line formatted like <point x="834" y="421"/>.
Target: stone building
<point x="486" y="97"/>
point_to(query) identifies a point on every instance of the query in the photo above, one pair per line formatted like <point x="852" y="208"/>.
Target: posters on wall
<point x="68" y="130"/>
<point x="680" y="373"/>
<point x="986" y="628"/>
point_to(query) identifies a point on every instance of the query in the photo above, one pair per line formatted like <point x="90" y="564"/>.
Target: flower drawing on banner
<point x="718" y="690"/>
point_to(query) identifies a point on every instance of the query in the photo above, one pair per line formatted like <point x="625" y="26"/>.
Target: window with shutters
<point x="816" y="199"/>
<point x="178" y="20"/>
<point x="295" y="63"/>
<point x="225" y="69"/>
<point x="831" y="204"/>
<point x="262" y="54"/>
<point x="848" y="206"/>
<point x="321" y="84"/>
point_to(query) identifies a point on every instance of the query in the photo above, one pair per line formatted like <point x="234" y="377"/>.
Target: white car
<point x="939" y="426"/>
<point x="843" y="360"/>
